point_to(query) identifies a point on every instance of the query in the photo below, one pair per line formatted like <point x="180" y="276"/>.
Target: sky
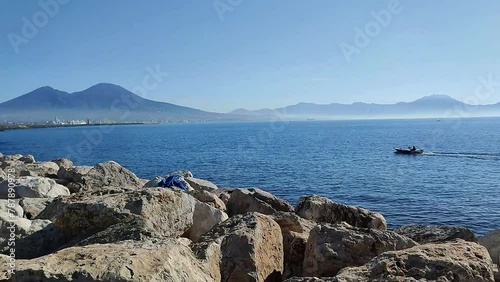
<point x="227" y="54"/>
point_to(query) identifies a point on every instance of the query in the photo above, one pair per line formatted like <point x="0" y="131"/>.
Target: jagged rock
<point x="66" y="163"/>
<point x="208" y="198"/>
<point x="255" y="200"/>
<point x="183" y="173"/>
<point x="11" y="206"/>
<point x="153" y="182"/>
<point x="333" y="247"/>
<point x="109" y="174"/>
<point x="201" y="184"/>
<point x="295" y="231"/>
<point x="434" y="234"/>
<point x="43" y="169"/>
<point x="73" y="174"/>
<point x="452" y="261"/>
<point x="204" y="218"/>
<point x="11" y="157"/>
<point x="324" y="210"/>
<point x="159" y="260"/>
<point x="224" y="194"/>
<point x="34" y="187"/>
<point x="27" y="159"/>
<point x="33" y="206"/>
<point x="246" y="247"/>
<point x="164" y="211"/>
<point x="496" y="273"/>
<point x="491" y="241"/>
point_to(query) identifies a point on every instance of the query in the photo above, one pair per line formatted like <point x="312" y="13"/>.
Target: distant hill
<point x="101" y="102"/>
<point x="428" y="106"/>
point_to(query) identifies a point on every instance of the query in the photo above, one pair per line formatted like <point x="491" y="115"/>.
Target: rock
<point x="11" y="157"/>
<point x="109" y="174"/>
<point x="496" y="273"/>
<point x="166" y="260"/>
<point x="3" y="175"/>
<point x="164" y="211"/>
<point x="434" y="234"/>
<point x="33" y="206"/>
<point x="255" y="200"/>
<point x="201" y="184"/>
<point x="153" y="182"/>
<point x="66" y="163"/>
<point x="452" y="261"/>
<point x="224" y="194"/>
<point x="246" y="247"/>
<point x="324" y="210"/>
<point x="43" y="169"/>
<point x="34" y="187"/>
<point x="27" y="159"/>
<point x="183" y="173"/>
<point x="295" y="231"/>
<point x="73" y="174"/>
<point x="208" y="198"/>
<point x="333" y="247"/>
<point x="11" y="206"/>
<point x="491" y="241"/>
<point x="204" y="218"/>
<point x="312" y="279"/>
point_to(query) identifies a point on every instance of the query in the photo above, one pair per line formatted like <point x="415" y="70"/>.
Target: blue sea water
<point x="456" y="181"/>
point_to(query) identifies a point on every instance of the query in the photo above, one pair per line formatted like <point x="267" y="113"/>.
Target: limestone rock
<point x="491" y="241"/>
<point x="153" y="182"/>
<point x="204" y="218"/>
<point x="11" y="157"/>
<point x="321" y="209"/>
<point x="109" y="174"/>
<point x="164" y="211"/>
<point x="434" y="233"/>
<point x="208" y="198"/>
<point x="453" y="261"/>
<point x="33" y="206"/>
<point x="165" y="260"/>
<point x="201" y="184"/>
<point x="333" y="247"/>
<point x="66" y="163"/>
<point x="28" y="159"/>
<point x="11" y="206"/>
<point x="34" y="187"/>
<point x="43" y="169"/>
<point x="295" y="231"/>
<point x="244" y="248"/>
<point x="255" y="200"/>
<point x="183" y="173"/>
<point x="73" y="174"/>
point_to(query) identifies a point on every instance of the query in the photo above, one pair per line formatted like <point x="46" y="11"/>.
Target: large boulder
<point x="321" y="209"/>
<point x="452" y="261"/>
<point x="208" y="198"/>
<point x="73" y="174"/>
<point x="244" y="248"/>
<point x="333" y="247"/>
<point x="164" y="211"/>
<point x="491" y="241"/>
<point x="11" y="157"/>
<point x="255" y="200"/>
<point x="34" y="187"/>
<point x="66" y="163"/>
<point x="204" y="218"/>
<point x="436" y="233"/>
<point x="11" y="206"/>
<point x="109" y="174"/>
<point x="43" y="169"/>
<point x="159" y="260"/>
<point x="295" y="231"/>
<point x="201" y="184"/>
<point x="33" y="206"/>
<point x="155" y="182"/>
<point x="28" y="159"/>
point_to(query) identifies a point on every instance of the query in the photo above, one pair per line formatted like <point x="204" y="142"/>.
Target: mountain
<point x="101" y="102"/>
<point x="428" y="106"/>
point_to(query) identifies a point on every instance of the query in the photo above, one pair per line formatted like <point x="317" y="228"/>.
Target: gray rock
<point x="324" y="210"/>
<point x="245" y="247"/>
<point x="204" y="218"/>
<point x="255" y="200"/>
<point x="34" y="187"/>
<point x="33" y="206"/>
<point x="109" y="174"/>
<point x="11" y="206"/>
<point x="153" y="182"/>
<point x="208" y="198"/>
<point x="333" y="247"/>
<point x="73" y="174"/>
<point x="453" y="261"/>
<point x="201" y="184"/>
<point x="183" y="173"/>
<point x="434" y="234"/>
<point x="43" y="169"/>
<point x="66" y="163"/>
<point x="28" y="159"/>
<point x="491" y="241"/>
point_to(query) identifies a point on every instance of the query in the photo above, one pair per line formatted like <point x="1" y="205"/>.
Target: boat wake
<point x="483" y="156"/>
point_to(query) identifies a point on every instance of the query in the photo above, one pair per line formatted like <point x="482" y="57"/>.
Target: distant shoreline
<point x="5" y="127"/>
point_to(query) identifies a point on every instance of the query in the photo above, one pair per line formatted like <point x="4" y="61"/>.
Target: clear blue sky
<point x="261" y="54"/>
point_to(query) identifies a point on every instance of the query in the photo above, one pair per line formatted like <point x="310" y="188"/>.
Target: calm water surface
<point x="456" y="181"/>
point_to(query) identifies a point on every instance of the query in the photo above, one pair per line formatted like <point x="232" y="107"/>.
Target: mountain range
<point x="113" y="103"/>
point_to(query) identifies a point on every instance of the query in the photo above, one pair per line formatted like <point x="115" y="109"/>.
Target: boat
<point x="408" y="151"/>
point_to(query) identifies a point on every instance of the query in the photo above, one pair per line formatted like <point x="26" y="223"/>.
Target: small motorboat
<point x="409" y="151"/>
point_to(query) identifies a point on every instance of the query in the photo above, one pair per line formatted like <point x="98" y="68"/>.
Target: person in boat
<point x="413" y="149"/>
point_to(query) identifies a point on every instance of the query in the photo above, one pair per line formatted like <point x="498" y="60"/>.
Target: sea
<point x="455" y="182"/>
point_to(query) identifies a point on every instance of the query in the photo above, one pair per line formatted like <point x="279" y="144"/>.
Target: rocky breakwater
<point x="103" y="223"/>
